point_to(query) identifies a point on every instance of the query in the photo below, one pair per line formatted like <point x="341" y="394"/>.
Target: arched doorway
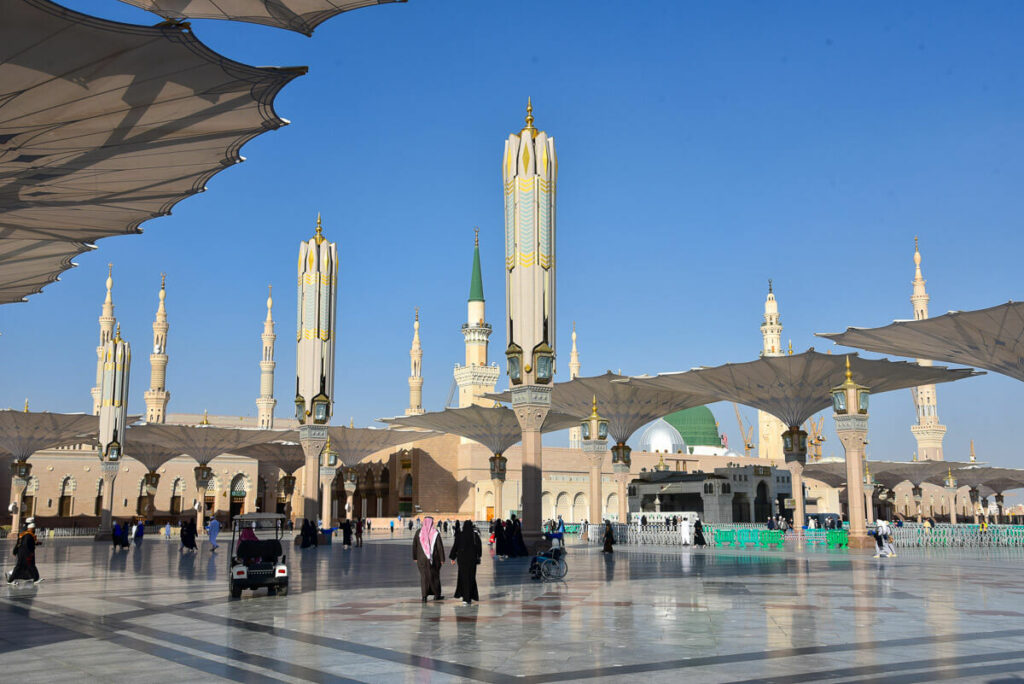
<point x="562" y="506"/>
<point x="98" y="504"/>
<point x="488" y="507"/>
<point x="579" y="508"/>
<point x="762" y="504"/>
<point x="177" y="495"/>
<point x="405" y="498"/>
<point x="239" y="488"/>
<point x="66" y="500"/>
<point x="29" y="500"/>
<point x="740" y="508"/>
<point x="612" y="507"/>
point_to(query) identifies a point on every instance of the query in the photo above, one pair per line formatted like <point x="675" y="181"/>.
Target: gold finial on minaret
<point x="351" y="422"/>
<point x="593" y="411"/>
<point x="163" y="280"/>
<point x="790" y="347"/>
<point x="117" y="333"/>
<point x="26" y="404"/>
<point x="529" y="113"/>
<point x="769" y="286"/>
<point x="849" y="373"/>
<point x="206" y="418"/>
<point x="476" y="236"/>
<point x="319" y="229"/>
<point x="270" y="301"/>
<point x="417" y="314"/>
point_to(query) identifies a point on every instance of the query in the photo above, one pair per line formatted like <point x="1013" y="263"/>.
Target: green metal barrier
<point x="836" y="538"/>
<point x="766" y="538"/>
<point x="725" y="537"/>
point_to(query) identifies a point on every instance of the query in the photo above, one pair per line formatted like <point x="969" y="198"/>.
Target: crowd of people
<point x="507" y="538"/>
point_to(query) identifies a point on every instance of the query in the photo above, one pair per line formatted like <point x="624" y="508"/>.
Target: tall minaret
<point x="316" y="331"/>
<point x="770" y="428"/>
<point x="157" y="395"/>
<point x="575" y="434"/>
<point x="927" y="431"/>
<point x="107" y="322"/>
<point x="476" y="378"/>
<point x="266" y="403"/>
<point x="415" y="371"/>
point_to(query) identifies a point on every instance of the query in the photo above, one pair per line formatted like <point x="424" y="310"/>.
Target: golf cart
<point x="256" y="558"/>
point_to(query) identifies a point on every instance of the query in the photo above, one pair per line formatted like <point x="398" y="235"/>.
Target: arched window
<point x="98" y="506"/>
<point x="177" y="494"/>
<point x="407" y="486"/>
<point x="66" y="500"/>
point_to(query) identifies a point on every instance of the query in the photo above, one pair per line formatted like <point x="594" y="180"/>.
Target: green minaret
<point x="476" y="283"/>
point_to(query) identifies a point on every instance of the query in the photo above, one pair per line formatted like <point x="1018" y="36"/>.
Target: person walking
<point x="428" y="555"/>
<point x="140" y="531"/>
<point x="392" y="527"/>
<point x="25" y="551"/>
<point x="214" y="530"/>
<point x="167" y="531"/>
<point x="346" y="534"/>
<point x="467" y="552"/>
<point x="698" y="533"/>
<point x="609" y="538"/>
<point x="115" y="535"/>
<point x="188" y="535"/>
<point x="359" y="531"/>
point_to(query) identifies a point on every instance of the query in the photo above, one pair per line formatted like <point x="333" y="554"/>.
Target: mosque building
<point x="444" y="474"/>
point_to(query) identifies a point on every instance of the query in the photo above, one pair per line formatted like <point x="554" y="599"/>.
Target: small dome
<point x="696" y="426"/>
<point x="660" y="437"/>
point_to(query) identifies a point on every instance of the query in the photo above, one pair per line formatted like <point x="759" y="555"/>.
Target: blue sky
<point x="703" y="148"/>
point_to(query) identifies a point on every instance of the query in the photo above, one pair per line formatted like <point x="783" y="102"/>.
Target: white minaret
<point x="107" y="322"/>
<point x="531" y="175"/>
<point x="266" y="402"/>
<point x="928" y="432"/>
<point x="157" y="395"/>
<point x="415" y="371"/>
<point x="113" y="417"/>
<point x="315" y="334"/>
<point x="476" y="378"/>
<point x="576" y="433"/>
<point x="770" y="428"/>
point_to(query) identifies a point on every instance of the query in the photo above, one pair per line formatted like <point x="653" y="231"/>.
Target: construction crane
<point x="746" y="435"/>
<point x="815" y="437"/>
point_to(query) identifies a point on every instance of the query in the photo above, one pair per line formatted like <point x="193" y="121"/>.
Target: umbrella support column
<point x="109" y="475"/>
<point x="313" y="439"/>
<point x="531" y="404"/>
<point x="18" y="485"/>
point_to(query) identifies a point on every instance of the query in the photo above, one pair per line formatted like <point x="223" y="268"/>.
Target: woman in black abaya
<point x="609" y="538"/>
<point x="428" y="554"/>
<point x="467" y="551"/>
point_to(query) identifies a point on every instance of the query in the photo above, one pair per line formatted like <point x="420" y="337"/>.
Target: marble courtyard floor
<point x="654" y="615"/>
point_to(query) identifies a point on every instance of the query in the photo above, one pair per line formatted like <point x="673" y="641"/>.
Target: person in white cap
<point x="25" y="550"/>
<point x="883" y="539"/>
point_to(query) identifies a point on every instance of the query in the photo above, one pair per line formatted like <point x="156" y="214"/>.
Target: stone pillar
<point x="204" y="475"/>
<point x="108" y="472"/>
<point x="18" y="485"/>
<point x="852" y="430"/>
<point x="622" y="478"/>
<point x="952" y="507"/>
<point x="596" y="512"/>
<point x="327" y="475"/>
<point x="869" y="500"/>
<point x="531" y="404"/>
<point x="796" y="471"/>
<point x="498" y="465"/>
<point x="313" y="439"/>
<point x="350" y="490"/>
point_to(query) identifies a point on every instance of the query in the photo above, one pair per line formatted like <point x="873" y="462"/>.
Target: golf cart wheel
<point x="236" y="592"/>
<point x="282" y="590"/>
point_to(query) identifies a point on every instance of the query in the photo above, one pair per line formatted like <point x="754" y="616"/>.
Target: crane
<point x="746" y="435"/>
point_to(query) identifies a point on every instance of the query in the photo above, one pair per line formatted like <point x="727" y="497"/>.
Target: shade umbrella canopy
<point x="977" y="477"/>
<point x="889" y="474"/>
<point x="23" y="433"/>
<point x="353" y="444"/>
<point x="288" y="456"/>
<point x="626" y="407"/>
<point x="201" y="442"/>
<point x="104" y="125"/>
<point x="992" y="338"/>
<point x="795" y="387"/>
<point x="296" y="15"/>
<point x="497" y="428"/>
<point x="833" y="473"/>
<point x="148" y="454"/>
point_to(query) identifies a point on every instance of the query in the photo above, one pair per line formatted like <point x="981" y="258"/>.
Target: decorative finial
<point x="417" y="314"/>
<point x="206" y="418"/>
<point x="26" y="404"/>
<point x="117" y="333"/>
<point x="319" y="229"/>
<point x="110" y="269"/>
<point x="476" y="236"/>
<point x="849" y="374"/>
<point x="593" y="411"/>
<point x="974" y="458"/>
<point x="791" y="347"/>
<point x="770" y="286"/>
<point x="529" y="113"/>
<point x="915" y="243"/>
<point x="351" y="422"/>
<point x="163" y="281"/>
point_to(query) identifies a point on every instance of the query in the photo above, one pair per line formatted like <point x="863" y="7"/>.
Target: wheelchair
<point x="549" y="565"/>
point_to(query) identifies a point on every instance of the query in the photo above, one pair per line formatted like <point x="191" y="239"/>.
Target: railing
<point x="912" y="535"/>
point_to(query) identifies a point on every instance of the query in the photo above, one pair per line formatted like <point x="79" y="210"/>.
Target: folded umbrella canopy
<point x="296" y="15"/>
<point x="104" y="125"/>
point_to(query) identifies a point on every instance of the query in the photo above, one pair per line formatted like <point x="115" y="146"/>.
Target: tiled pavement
<point x="661" y="614"/>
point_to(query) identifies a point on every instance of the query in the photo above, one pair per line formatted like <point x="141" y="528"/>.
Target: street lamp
<point x="113" y="450"/>
<point x="514" y="356"/>
<point x="21" y="469"/>
<point x="321" y="408"/>
<point x="850" y="405"/>
<point x="544" y="363"/>
<point x="594" y="433"/>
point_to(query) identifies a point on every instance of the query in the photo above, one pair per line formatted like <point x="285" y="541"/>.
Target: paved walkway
<point x="656" y="615"/>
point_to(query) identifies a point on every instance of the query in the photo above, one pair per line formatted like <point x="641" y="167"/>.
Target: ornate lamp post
<point x="328" y="471"/>
<point x="315" y="337"/>
<point x="113" y="416"/>
<point x="594" y="440"/>
<point x="204" y="476"/>
<point x="850" y="405"/>
<point x="794" y="447"/>
<point x="870" y="486"/>
<point x="951" y="486"/>
<point x="530" y="173"/>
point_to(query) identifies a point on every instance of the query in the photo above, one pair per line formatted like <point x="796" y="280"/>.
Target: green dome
<point x="696" y="425"/>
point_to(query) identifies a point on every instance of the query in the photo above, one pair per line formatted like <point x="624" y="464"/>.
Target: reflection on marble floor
<point x="659" y="614"/>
